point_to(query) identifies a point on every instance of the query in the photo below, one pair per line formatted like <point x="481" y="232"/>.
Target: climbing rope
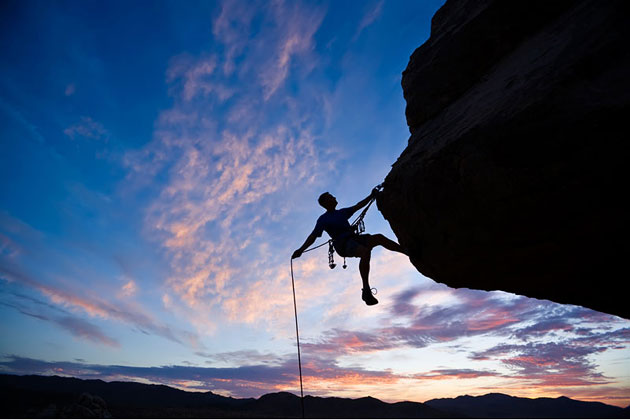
<point x="297" y="329"/>
<point x="297" y="336"/>
<point x="358" y="227"/>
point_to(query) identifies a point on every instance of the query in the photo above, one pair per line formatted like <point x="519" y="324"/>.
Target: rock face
<point x="514" y="177"/>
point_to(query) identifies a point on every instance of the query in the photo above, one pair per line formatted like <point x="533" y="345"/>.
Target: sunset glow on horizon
<point x="161" y="161"/>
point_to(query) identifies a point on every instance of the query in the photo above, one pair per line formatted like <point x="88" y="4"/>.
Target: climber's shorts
<point x="349" y="246"/>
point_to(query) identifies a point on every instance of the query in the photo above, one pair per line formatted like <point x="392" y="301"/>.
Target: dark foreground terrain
<point x="59" y="397"/>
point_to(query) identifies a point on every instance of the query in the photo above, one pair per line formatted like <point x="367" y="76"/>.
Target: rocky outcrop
<point x="514" y="177"/>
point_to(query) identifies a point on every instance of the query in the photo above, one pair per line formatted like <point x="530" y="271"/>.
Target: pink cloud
<point x="84" y="329"/>
<point x="225" y="177"/>
<point x="288" y="36"/>
<point x="443" y="374"/>
<point x="42" y="311"/>
<point x="296" y="27"/>
<point x="97" y="307"/>
<point x="129" y="289"/>
<point x="241" y="381"/>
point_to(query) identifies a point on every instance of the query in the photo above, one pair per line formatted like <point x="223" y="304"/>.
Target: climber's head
<point x="327" y="201"/>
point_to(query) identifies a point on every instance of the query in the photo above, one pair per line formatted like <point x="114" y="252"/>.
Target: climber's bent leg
<point x="384" y="241"/>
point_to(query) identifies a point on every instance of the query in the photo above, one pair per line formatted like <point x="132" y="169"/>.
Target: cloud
<point x="442" y="374"/>
<point x="8" y="248"/>
<point x="94" y="306"/>
<point x="222" y="181"/>
<point x="32" y="129"/>
<point x="87" y="128"/>
<point x="232" y="28"/>
<point x="287" y="35"/>
<point x="544" y="344"/>
<point x="84" y="329"/>
<point x="476" y="313"/>
<point x="549" y="364"/>
<point x="130" y="288"/>
<point x="215" y="192"/>
<point x="45" y="312"/>
<point x="240" y="381"/>
<point x="295" y="27"/>
<point x="241" y="357"/>
<point x="339" y="342"/>
<point x="369" y="18"/>
<point x="197" y="78"/>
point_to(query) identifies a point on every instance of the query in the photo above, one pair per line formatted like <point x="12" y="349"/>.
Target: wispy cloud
<point x="197" y="78"/>
<point x="562" y="362"/>
<point x="418" y="324"/>
<point x="443" y="374"/>
<point x="232" y="27"/>
<point x="224" y="178"/>
<point x="93" y="306"/>
<point x="549" y="364"/>
<point x="288" y="33"/>
<point x="560" y="340"/>
<point x="42" y="311"/>
<point x="295" y="24"/>
<point x="240" y="381"/>
<point x="369" y="18"/>
<point x="128" y="289"/>
<point x="88" y="128"/>
<point x="84" y="329"/>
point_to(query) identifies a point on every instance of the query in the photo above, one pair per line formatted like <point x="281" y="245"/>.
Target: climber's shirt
<point x="335" y="223"/>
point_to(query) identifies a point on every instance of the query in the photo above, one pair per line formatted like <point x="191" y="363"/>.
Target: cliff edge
<point x="515" y="171"/>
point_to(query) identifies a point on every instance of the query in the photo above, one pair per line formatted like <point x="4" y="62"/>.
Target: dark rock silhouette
<point x="87" y="407"/>
<point x="53" y="396"/>
<point x="505" y="406"/>
<point x="56" y="397"/>
<point x="49" y="397"/>
<point x="514" y="174"/>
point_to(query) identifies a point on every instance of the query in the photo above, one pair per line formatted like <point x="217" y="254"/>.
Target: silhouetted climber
<point x="346" y="242"/>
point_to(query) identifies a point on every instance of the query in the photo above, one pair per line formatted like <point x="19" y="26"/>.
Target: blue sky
<point x="160" y="161"/>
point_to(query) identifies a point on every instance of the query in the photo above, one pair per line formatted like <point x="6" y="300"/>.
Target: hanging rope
<point x="297" y="336"/>
<point x="297" y="329"/>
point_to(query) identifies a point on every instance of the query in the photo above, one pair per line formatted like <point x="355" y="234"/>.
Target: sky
<point x="160" y="162"/>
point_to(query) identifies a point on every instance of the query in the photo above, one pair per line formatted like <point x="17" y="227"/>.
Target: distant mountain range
<point x="54" y="396"/>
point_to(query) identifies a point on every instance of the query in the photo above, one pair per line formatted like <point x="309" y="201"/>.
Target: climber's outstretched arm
<point x="363" y="202"/>
<point x="308" y="242"/>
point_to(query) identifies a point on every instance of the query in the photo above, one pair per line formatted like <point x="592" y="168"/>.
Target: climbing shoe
<point x="367" y="297"/>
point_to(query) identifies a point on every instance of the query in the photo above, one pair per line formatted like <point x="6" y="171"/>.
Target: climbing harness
<point x="358" y="227"/>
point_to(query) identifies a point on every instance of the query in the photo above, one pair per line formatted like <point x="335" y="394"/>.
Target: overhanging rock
<point x="514" y="177"/>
